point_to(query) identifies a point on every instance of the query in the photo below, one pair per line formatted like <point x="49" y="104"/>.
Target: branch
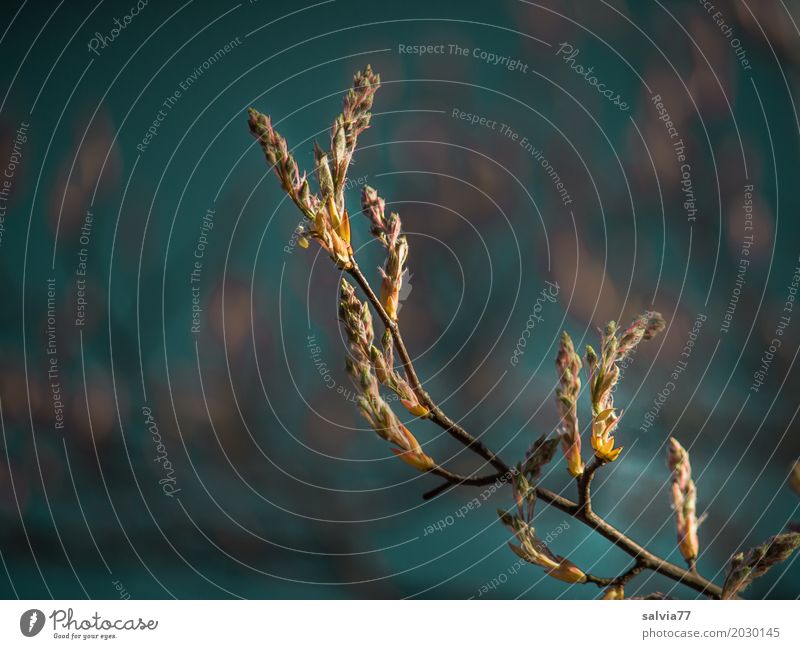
<point x="646" y="558"/>
<point x="581" y="511"/>
<point x="436" y="414"/>
<point x="332" y="230"/>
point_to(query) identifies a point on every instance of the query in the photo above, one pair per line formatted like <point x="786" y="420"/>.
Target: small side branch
<point x="585" y="483"/>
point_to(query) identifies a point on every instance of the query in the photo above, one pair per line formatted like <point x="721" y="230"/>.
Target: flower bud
<point x="684" y="501"/>
<point x="324" y="176"/>
<point x="568" y="364"/>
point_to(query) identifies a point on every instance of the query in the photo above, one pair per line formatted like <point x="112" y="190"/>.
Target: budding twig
<point x="327" y="222"/>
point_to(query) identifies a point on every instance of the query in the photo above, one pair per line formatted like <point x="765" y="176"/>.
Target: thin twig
<point x="600" y="582"/>
<point x="456" y="479"/>
<point x="432" y="493"/>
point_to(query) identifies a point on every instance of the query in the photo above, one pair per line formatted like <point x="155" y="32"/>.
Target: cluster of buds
<point x="328" y="220"/>
<point x="526" y="475"/>
<point x="349" y="125"/>
<point x="384" y="422"/>
<point x="746" y="567"/>
<point x="277" y="153"/>
<point x="530" y="547"/>
<point x="684" y="501"/>
<point x="569" y="366"/>
<point x="328" y="225"/>
<point x="533" y="550"/>
<point x="604" y="375"/>
<point x="524" y="493"/>
<point x="383" y="362"/>
<point x="387" y="231"/>
<point x="357" y="321"/>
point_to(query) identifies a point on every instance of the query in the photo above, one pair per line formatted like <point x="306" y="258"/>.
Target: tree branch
<point x="334" y="235"/>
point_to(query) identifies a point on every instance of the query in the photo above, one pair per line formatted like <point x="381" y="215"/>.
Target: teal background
<point x="283" y="493"/>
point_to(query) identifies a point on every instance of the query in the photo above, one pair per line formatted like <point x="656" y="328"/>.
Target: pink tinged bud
<point x="688" y="541"/>
<point x="373" y="207"/>
<point x="411" y="452"/>
<point x="644" y="327"/>
<point x="568" y="364"/>
<point x="684" y="500"/>
<point x="533" y="550"/>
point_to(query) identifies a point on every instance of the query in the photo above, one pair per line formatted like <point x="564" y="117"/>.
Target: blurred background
<point x="176" y="417"/>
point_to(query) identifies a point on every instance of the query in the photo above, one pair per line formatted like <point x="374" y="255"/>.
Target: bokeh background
<point x="274" y="488"/>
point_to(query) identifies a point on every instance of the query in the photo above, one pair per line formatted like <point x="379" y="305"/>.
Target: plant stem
<point x="585" y="482"/>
